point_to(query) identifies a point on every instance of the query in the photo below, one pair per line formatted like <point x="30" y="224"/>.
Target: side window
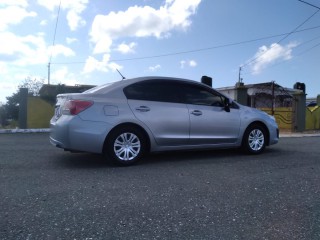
<point x="154" y="90"/>
<point x="198" y="95"/>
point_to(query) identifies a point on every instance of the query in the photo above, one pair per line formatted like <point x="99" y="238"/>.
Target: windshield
<point x="97" y="88"/>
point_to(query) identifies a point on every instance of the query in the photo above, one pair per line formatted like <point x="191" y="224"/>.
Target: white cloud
<point x="93" y="64"/>
<point x="59" y="49"/>
<point x="71" y="40"/>
<point x="182" y="63"/>
<point x="126" y="48"/>
<point x="11" y="79"/>
<point x="29" y="50"/>
<point x="74" y="19"/>
<point x="43" y="23"/>
<point x="3" y="68"/>
<point x="269" y="55"/>
<point x="62" y="75"/>
<point x="155" y="68"/>
<point x="189" y="63"/>
<point x="139" y="21"/>
<point x="74" y="9"/>
<point x="192" y="63"/>
<point x="13" y="15"/>
<point x="21" y="3"/>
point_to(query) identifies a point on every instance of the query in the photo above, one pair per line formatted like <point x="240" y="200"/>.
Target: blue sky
<point x="180" y="38"/>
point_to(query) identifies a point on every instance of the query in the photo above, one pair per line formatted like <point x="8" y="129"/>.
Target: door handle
<point x="196" y="112"/>
<point x="143" y="109"/>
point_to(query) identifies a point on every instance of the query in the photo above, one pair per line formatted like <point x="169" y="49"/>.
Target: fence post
<point x="23" y="105"/>
<point x="299" y="108"/>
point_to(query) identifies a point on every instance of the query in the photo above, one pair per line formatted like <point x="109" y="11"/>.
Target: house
<point x="261" y="95"/>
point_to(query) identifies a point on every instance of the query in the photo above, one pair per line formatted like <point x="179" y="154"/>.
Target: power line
<point x="309" y="4"/>
<point x="307" y="50"/>
<point x="297" y="55"/>
<point x="53" y="42"/>
<point x="196" y="50"/>
<point x="286" y="36"/>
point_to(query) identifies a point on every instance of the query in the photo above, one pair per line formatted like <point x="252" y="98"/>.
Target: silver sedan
<point x="125" y="120"/>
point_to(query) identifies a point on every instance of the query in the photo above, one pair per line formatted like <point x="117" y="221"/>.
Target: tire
<point x="254" y="139"/>
<point x="125" y="146"/>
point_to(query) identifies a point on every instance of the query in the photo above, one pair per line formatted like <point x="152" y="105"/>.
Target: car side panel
<point x="213" y="125"/>
<point x="168" y="122"/>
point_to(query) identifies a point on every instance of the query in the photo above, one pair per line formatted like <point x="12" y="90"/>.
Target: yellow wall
<point x="313" y="118"/>
<point x="39" y="113"/>
<point x="283" y="116"/>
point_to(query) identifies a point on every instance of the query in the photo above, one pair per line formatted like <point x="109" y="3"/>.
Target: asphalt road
<point x="46" y="193"/>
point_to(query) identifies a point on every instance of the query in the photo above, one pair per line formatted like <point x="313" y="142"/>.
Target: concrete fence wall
<point x="39" y="113"/>
<point x="313" y="118"/>
<point x="36" y="113"/>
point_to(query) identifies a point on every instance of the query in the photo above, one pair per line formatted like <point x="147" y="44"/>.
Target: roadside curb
<point x="296" y="135"/>
<point x="39" y="130"/>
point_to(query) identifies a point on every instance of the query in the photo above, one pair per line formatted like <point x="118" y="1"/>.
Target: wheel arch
<point x="131" y="125"/>
<point x="264" y="126"/>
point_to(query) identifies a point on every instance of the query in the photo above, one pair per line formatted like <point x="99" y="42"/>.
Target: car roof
<point x="125" y="82"/>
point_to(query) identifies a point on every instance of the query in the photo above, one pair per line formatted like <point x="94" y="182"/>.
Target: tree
<point x="33" y="85"/>
<point x="12" y="107"/>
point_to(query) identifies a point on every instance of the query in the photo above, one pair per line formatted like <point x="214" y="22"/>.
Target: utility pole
<point x="49" y="73"/>
<point x="240" y="79"/>
<point x="53" y="42"/>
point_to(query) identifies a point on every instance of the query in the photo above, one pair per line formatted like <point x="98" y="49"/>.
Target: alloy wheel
<point x="127" y="146"/>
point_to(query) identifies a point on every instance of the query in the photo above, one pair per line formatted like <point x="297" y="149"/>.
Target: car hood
<point x="247" y="109"/>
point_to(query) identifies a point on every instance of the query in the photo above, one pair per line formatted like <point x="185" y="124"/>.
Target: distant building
<point x="61" y="88"/>
<point x="49" y="92"/>
<point x="263" y="95"/>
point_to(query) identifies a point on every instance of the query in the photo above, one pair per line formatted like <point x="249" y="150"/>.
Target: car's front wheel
<point x="254" y="139"/>
<point x="125" y="146"/>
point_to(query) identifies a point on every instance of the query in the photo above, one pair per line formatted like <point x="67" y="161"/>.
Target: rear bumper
<point x="56" y="143"/>
<point x="73" y="134"/>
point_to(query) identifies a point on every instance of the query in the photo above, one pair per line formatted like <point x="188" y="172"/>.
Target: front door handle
<point x="143" y="109"/>
<point x="196" y="112"/>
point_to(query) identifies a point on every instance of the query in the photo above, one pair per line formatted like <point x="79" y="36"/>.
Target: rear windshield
<point x="98" y="89"/>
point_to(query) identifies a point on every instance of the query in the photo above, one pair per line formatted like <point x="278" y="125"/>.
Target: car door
<point x="158" y="104"/>
<point x="210" y="123"/>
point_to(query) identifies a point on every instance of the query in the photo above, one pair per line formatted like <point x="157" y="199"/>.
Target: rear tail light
<point x="74" y="107"/>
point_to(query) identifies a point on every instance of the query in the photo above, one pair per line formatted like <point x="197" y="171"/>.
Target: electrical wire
<point x="296" y="55"/>
<point x="307" y="50"/>
<point x="286" y="36"/>
<point x="55" y="32"/>
<point x="197" y="50"/>
<point x="309" y="4"/>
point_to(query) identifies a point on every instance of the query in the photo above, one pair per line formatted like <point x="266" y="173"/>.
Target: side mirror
<point x="227" y="104"/>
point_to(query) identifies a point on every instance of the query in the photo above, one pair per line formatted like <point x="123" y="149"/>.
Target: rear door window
<point x="155" y="90"/>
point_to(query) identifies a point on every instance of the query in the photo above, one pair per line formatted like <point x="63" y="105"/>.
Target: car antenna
<point x="123" y="78"/>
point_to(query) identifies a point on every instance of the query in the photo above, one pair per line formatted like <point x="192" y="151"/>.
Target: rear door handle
<point x="196" y="112"/>
<point x="143" y="109"/>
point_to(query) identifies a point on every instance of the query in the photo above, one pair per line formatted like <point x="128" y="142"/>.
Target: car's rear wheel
<point x="254" y="139"/>
<point x="125" y="145"/>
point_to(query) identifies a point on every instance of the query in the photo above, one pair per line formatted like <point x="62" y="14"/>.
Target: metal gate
<point x="275" y="100"/>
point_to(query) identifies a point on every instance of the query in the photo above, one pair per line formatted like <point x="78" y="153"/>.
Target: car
<point x="127" y="119"/>
<point x="312" y="104"/>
